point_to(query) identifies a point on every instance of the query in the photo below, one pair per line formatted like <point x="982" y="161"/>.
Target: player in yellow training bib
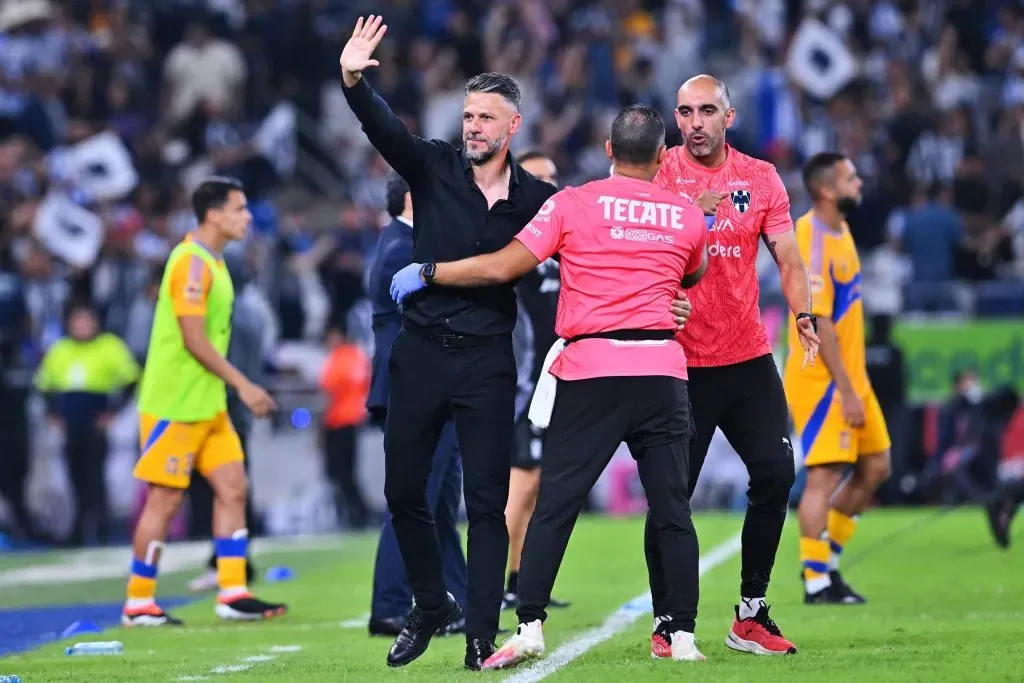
<point x="183" y="421"/>
<point x="837" y="417"/>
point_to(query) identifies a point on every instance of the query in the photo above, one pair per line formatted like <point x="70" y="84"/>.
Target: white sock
<point x="833" y="561"/>
<point x="819" y="583"/>
<point x="750" y="606"/>
<point x="139" y="603"/>
<point x="232" y="593"/>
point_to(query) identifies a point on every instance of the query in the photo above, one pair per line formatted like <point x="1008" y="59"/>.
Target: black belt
<point x="451" y="340"/>
<point x="625" y="335"/>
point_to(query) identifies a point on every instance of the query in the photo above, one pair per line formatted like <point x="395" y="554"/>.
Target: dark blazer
<point x="393" y="252"/>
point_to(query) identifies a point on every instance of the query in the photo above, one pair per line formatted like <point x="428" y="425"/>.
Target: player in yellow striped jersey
<point x="183" y="421"/>
<point x="839" y="421"/>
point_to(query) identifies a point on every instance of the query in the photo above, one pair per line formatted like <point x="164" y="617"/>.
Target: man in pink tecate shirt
<point x="626" y="247"/>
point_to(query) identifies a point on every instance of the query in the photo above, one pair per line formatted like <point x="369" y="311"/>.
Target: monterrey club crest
<point x="740" y="199"/>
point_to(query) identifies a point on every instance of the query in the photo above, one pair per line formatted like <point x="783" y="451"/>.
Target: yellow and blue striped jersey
<point x="834" y="267"/>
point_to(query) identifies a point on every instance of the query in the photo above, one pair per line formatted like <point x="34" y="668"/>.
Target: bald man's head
<point x="705" y="86"/>
<point x="703" y="114"/>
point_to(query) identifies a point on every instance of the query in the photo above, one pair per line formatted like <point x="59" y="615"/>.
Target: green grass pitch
<point x="944" y="605"/>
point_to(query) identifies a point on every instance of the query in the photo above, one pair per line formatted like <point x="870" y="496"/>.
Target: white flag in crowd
<point x="68" y="231"/>
<point x="102" y="166"/>
<point x="819" y="61"/>
<point x="276" y="139"/>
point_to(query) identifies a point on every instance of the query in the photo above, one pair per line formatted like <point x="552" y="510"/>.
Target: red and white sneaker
<point x="526" y="643"/>
<point x="661" y="646"/>
<point x="677" y="645"/>
<point x="758" y="635"/>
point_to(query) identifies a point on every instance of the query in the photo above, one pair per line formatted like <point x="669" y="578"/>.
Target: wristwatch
<point x="427" y="272"/>
<point x="814" y="319"/>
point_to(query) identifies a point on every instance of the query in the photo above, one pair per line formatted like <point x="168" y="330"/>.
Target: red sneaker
<point x="758" y="635"/>
<point x="661" y="648"/>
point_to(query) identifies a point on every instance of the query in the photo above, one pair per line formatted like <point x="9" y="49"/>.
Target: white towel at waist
<point x="544" y="395"/>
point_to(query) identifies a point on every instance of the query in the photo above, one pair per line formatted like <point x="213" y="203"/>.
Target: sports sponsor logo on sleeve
<point x="194" y="282"/>
<point x="547" y="209"/>
<point x="534" y="230"/>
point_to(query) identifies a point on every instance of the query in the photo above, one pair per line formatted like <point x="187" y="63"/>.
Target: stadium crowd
<point x="111" y="109"/>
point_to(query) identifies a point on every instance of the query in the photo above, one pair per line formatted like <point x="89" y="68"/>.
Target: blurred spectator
<point x="346" y="381"/>
<point x="200" y="69"/>
<point x="930" y="236"/>
<point x="111" y="111"/>
<point x="15" y="384"/>
<point x="887" y="372"/>
<point x="84" y="377"/>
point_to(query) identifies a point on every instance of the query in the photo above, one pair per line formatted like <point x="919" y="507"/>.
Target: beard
<point x="482" y="157"/>
<point x="710" y="145"/>
<point x="847" y="205"/>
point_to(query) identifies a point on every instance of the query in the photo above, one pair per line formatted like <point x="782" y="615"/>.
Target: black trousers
<point x="590" y="419"/>
<point x="747" y="401"/>
<point x="475" y="387"/>
<point x="85" y="450"/>
<point x="340" y="452"/>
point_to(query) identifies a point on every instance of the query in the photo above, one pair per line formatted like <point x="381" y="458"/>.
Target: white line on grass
<point x="619" y="621"/>
<point x="359" y="622"/>
<point x="113" y="563"/>
<point x="246" y="663"/>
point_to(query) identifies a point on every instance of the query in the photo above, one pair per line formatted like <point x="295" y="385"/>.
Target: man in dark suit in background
<point x="392" y="596"/>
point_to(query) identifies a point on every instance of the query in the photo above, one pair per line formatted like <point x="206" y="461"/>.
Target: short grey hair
<point x="498" y="84"/>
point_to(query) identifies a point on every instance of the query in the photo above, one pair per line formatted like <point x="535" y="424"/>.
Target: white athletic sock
<point x="139" y="603"/>
<point x="750" y="606"/>
<point x="818" y="583"/>
<point x="833" y="561"/>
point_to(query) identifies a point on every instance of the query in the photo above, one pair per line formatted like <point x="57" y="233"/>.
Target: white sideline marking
<point x="114" y="563"/>
<point x="619" y="621"/>
<point x="286" y="648"/>
<point x="246" y="663"/>
<point x="359" y="622"/>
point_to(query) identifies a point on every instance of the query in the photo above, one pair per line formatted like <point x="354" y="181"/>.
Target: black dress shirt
<point x="452" y="219"/>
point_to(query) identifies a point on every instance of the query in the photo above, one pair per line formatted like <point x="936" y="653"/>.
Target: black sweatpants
<point x="433" y="381"/>
<point x="748" y="403"/>
<point x="590" y="419"/>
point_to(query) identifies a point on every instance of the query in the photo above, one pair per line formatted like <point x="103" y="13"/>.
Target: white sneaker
<point x="526" y="642"/>
<point x="204" y="582"/>
<point x="684" y="648"/>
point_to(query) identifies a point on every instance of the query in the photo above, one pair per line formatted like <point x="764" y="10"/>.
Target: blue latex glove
<point x="406" y="281"/>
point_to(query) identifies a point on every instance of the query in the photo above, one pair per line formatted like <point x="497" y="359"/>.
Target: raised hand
<point x="358" y="52"/>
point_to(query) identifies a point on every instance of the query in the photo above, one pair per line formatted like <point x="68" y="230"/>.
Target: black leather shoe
<point x="477" y="652"/>
<point x="457" y="626"/>
<point x="419" y="629"/>
<point x="386" y="626"/>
